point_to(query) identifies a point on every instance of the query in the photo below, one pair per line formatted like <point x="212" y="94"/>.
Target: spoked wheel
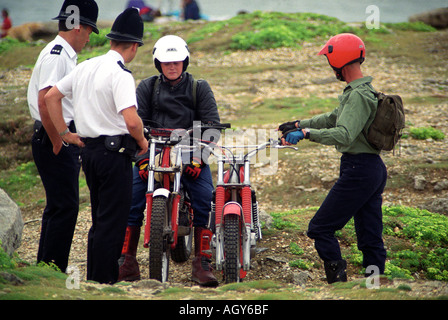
<point x="159" y="248"/>
<point x="232" y="248"/>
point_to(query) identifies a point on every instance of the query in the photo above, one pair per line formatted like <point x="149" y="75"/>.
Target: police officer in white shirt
<point x="110" y="132"/>
<point x="59" y="166"/>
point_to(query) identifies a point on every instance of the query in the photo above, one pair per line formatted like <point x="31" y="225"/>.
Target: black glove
<point x="289" y="126"/>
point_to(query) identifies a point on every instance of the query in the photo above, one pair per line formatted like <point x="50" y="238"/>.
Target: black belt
<point x="39" y="126"/>
<point x="120" y="143"/>
<point x="41" y="133"/>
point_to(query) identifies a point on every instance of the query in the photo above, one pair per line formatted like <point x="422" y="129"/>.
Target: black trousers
<point x="357" y="194"/>
<point x="109" y="178"/>
<point x="60" y="178"/>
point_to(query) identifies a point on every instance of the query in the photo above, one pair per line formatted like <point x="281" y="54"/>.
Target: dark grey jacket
<point x="172" y="106"/>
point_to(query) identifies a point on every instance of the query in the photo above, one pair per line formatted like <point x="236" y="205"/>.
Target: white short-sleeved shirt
<point x="100" y="88"/>
<point x="55" y="61"/>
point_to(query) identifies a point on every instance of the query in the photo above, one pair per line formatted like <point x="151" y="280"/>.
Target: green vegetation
<point x="265" y="30"/>
<point x="417" y="241"/>
<point x="10" y="43"/>
<point x="426" y="133"/>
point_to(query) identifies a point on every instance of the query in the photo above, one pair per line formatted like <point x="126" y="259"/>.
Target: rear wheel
<point x="232" y="248"/>
<point x="159" y="248"/>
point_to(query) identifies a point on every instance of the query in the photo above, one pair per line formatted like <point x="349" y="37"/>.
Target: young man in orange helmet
<point x="363" y="175"/>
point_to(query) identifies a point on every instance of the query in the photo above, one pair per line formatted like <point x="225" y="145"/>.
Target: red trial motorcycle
<point x="167" y="204"/>
<point x="234" y="217"/>
<point x="169" y="215"/>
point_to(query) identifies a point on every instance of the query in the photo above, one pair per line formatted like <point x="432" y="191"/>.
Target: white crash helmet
<point x="171" y="49"/>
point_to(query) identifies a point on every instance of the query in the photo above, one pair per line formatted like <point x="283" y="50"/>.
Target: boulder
<point x="439" y="205"/>
<point x="11" y="224"/>
<point x="437" y="18"/>
<point x="33" y="31"/>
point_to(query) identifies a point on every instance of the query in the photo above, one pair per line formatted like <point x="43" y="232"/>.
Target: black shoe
<point x="335" y="271"/>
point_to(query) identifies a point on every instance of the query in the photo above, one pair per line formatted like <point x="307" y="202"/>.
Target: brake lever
<point x="278" y="144"/>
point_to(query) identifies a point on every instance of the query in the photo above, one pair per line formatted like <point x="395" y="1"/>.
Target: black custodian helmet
<point x="88" y="12"/>
<point x="127" y="27"/>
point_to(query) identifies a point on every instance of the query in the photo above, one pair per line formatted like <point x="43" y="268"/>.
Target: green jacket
<point x="344" y="127"/>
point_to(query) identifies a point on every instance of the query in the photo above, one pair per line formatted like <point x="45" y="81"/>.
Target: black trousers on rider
<point x="60" y="178"/>
<point x="109" y="177"/>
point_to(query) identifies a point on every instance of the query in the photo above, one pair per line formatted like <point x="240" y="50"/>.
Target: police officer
<point x="58" y="166"/>
<point x="363" y="175"/>
<point x="110" y="132"/>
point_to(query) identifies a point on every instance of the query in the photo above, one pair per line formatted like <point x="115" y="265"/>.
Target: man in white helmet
<point x="167" y="101"/>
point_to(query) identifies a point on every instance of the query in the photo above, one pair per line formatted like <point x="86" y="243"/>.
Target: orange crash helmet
<point x="343" y="49"/>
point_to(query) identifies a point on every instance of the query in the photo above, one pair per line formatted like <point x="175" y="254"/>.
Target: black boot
<point x="335" y="271"/>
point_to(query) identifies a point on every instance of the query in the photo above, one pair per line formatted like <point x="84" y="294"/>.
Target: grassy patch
<point x="417" y="241"/>
<point x="424" y="133"/>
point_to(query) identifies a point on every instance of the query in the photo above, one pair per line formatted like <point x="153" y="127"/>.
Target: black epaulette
<point x="57" y="49"/>
<point x="123" y="67"/>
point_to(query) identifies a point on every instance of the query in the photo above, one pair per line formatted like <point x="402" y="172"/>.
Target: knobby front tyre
<point x="159" y="248"/>
<point x="232" y="248"/>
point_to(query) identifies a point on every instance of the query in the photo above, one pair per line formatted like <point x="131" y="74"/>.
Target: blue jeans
<point x="357" y="194"/>
<point x="200" y="190"/>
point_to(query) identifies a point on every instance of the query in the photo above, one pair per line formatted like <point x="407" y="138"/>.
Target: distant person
<point x="136" y="4"/>
<point x="191" y="10"/>
<point x="146" y="12"/>
<point x="7" y="24"/>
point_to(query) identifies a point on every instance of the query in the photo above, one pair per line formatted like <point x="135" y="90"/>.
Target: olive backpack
<point x="388" y="124"/>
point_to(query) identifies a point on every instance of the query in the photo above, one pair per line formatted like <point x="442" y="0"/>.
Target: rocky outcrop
<point x="437" y="18"/>
<point x="33" y="31"/>
<point x="11" y="224"/>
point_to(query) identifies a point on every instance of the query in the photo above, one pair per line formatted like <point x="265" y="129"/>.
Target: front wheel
<point x="232" y="248"/>
<point x="159" y="248"/>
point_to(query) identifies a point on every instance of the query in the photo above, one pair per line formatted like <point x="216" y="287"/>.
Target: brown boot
<point x="201" y="269"/>
<point x="129" y="270"/>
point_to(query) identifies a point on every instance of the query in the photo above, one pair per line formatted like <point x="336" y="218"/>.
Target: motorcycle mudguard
<point x="162" y="192"/>
<point x="232" y="208"/>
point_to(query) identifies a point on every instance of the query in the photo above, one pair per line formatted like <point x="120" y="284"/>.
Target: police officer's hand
<point x="143" y="145"/>
<point x="57" y="146"/>
<point x="73" y="138"/>
<point x="288" y="126"/>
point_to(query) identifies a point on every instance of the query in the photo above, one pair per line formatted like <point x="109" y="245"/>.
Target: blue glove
<point x="295" y="136"/>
